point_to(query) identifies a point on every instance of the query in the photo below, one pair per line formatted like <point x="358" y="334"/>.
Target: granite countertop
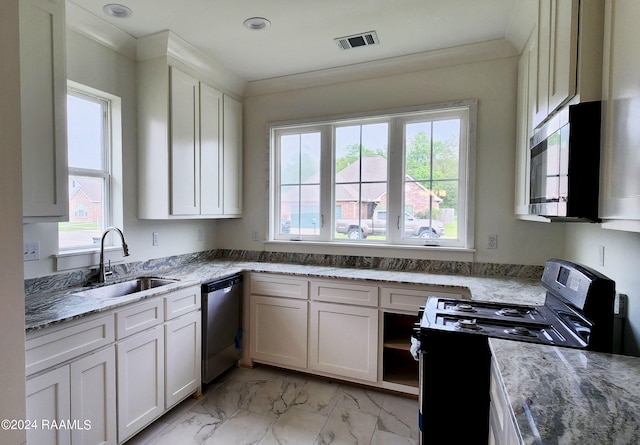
<point x="570" y="396"/>
<point x="45" y="306"/>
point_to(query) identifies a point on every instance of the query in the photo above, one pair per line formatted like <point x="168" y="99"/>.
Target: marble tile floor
<point x="267" y="406"/>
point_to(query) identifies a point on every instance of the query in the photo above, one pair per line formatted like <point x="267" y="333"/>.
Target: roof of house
<point x="90" y="187"/>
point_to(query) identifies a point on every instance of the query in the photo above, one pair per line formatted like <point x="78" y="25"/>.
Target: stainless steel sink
<point x="117" y="290"/>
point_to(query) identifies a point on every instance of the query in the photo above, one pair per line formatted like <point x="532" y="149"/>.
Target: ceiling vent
<point x="362" y="39"/>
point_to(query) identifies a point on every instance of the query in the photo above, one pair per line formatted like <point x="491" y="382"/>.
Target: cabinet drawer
<point x="57" y="346"/>
<point x="279" y="286"/>
<point x="181" y="302"/>
<point x="344" y="292"/>
<point x="411" y="298"/>
<point x="139" y="317"/>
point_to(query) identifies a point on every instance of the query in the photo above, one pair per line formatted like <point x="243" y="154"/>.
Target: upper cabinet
<point x="620" y="184"/>
<point x="190" y="142"/>
<point x="560" y="64"/>
<point x="43" y="100"/>
<point x="557" y="49"/>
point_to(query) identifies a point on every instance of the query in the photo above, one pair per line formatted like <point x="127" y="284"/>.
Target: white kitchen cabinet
<point x="93" y="398"/>
<point x="140" y="376"/>
<point x="502" y="427"/>
<point x="71" y="378"/>
<point x="557" y="56"/>
<point x="232" y="157"/>
<point x="44" y="104"/>
<point x="278" y="330"/>
<point x="343" y="340"/>
<point x="49" y="397"/>
<point x="190" y="145"/>
<point x="183" y="353"/>
<point x="619" y="186"/>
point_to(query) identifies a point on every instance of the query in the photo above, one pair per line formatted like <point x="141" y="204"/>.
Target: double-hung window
<point x="394" y="178"/>
<point x="89" y="170"/>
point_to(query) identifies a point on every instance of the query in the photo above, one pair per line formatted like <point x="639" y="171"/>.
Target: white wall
<point x="98" y="66"/>
<point x="492" y="82"/>
<point x="621" y="260"/>
<point x="12" y="384"/>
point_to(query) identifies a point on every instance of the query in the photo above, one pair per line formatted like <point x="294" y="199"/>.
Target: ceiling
<point x="301" y="36"/>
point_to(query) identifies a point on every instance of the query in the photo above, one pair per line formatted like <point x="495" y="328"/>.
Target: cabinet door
<point x="210" y="153"/>
<point x="620" y="188"/>
<point x="278" y="330"/>
<point x="185" y="144"/>
<point x="93" y="398"/>
<point x="343" y="340"/>
<point x="43" y="99"/>
<point x="48" y="398"/>
<point x="540" y="103"/>
<point x="232" y="157"/>
<point x="140" y="374"/>
<point x="563" y="52"/>
<point x="182" y="357"/>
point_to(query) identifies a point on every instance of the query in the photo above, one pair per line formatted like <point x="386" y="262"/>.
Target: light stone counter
<point x="50" y="299"/>
<point x="570" y="396"/>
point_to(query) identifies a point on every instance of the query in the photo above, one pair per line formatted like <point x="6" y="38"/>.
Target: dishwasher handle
<point x="223" y="283"/>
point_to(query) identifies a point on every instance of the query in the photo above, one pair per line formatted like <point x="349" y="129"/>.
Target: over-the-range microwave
<point x="565" y="164"/>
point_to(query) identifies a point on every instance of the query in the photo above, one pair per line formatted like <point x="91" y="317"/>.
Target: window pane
<point x="299" y="187"/>
<point x="85" y="126"/>
<point x="432" y="152"/>
<point x="86" y="213"/>
<point x="361" y="181"/>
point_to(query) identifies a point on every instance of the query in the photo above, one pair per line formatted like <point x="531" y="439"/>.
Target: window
<point x="397" y="178"/>
<point x="89" y="161"/>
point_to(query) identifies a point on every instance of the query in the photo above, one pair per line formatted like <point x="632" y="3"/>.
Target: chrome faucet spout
<point x="102" y="273"/>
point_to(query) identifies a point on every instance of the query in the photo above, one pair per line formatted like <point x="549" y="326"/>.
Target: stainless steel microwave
<point x="565" y="165"/>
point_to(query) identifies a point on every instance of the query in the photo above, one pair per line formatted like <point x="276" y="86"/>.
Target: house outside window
<point x="394" y="178"/>
<point x="89" y="136"/>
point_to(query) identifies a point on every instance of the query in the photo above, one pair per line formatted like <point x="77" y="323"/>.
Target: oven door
<point x="454" y="387"/>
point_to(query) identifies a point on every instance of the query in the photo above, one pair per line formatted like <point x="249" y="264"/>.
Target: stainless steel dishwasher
<point x="221" y="325"/>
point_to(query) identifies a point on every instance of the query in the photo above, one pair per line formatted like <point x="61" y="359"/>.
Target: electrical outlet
<point x="31" y="251"/>
<point x="493" y="242"/>
<point x="155" y="238"/>
<point x="254" y="235"/>
<point x="200" y="234"/>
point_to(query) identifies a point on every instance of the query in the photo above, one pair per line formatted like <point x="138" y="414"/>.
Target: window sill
<point x="76" y="259"/>
<point x="372" y="249"/>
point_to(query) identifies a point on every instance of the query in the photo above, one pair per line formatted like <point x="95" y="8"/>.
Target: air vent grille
<point x="356" y="40"/>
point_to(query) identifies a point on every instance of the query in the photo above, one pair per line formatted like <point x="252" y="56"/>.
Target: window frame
<point x="106" y="101"/>
<point x="397" y="118"/>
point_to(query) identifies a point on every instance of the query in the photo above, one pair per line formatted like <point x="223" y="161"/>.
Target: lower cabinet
<point x="49" y="397"/>
<point x="343" y="340"/>
<point x="182" y="340"/>
<point x="278" y="331"/>
<point x="140" y="381"/>
<point x="101" y="379"/>
<point x="502" y="428"/>
<point x="79" y="397"/>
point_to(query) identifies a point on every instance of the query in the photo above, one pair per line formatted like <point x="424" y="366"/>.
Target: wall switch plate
<point x="155" y="238"/>
<point x="31" y="250"/>
<point x="254" y="235"/>
<point x="600" y="255"/>
<point x="493" y="242"/>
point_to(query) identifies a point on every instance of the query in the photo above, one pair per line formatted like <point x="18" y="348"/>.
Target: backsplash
<point x="156" y="266"/>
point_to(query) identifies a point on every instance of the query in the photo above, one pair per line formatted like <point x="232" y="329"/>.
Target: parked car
<point x="413" y="227"/>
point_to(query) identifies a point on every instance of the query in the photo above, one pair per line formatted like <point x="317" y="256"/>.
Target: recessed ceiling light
<point x="257" y="23"/>
<point x="117" y="11"/>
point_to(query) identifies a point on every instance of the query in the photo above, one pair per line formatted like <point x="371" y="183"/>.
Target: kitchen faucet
<point x="102" y="273"/>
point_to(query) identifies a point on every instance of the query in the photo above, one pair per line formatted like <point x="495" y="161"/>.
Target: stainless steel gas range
<point x="454" y="352"/>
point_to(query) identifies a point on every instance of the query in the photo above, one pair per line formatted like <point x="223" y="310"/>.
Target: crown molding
<point x="477" y="52"/>
<point x="93" y="27"/>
